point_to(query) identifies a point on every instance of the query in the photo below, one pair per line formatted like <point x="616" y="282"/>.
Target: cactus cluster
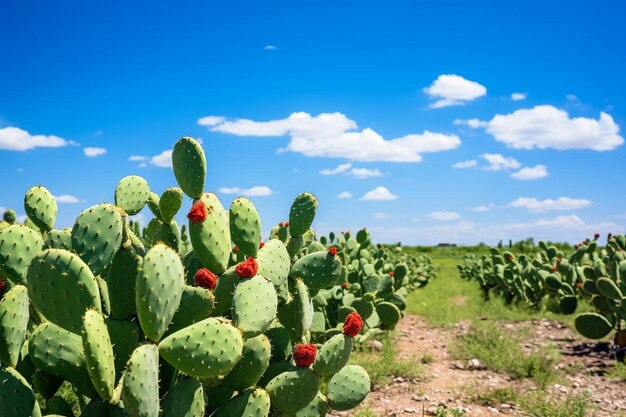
<point x="559" y="282"/>
<point x="201" y="320"/>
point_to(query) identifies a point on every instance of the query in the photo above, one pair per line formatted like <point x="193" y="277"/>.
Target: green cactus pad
<point x="189" y="165"/>
<point x="13" y="324"/>
<point x="568" y="304"/>
<point x="211" y="238"/>
<point x="17" y="398"/>
<point x="333" y="355"/>
<point x="608" y="288"/>
<point x="303" y="309"/>
<point x="348" y="388"/>
<point x="249" y="403"/>
<point x="40" y="207"/>
<point x="57" y="406"/>
<point x="62" y="288"/>
<point x="45" y="384"/>
<point x="169" y="234"/>
<point x="18" y="246"/>
<point x="281" y="342"/>
<point x="196" y="304"/>
<point x="318" y="270"/>
<point x="224" y="290"/>
<point x="254" y="306"/>
<point x="388" y="314"/>
<point x="302" y="214"/>
<point x="254" y="361"/>
<point x="125" y="337"/>
<point x="169" y="204"/>
<point x="59" y="239"/>
<point x="132" y="194"/>
<point x="385" y="286"/>
<point x="274" y="264"/>
<point x="184" y="399"/>
<point x="140" y="389"/>
<point x="207" y="349"/>
<point x="153" y="204"/>
<point x="245" y="226"/>
<point x="316" y="408"/>
<point x="99" y="354"/>
<point x="397" y="299"/>
<point x="294" y="245"/>
<point x="121" y="281"/>
<point x="293" y="390"/>
<point x="9" y="216"/>
<point x="97" y="235"/>
<point x="159" y="290"/>
<point x="60" y="353"/>
<point x="364" y="308"/>
<point x="191" y="265"/>
<point x="592" y="325"/>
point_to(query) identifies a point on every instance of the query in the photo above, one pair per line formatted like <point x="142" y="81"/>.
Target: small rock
<point x="410" y="410"/>
<point x="493" y="410"/>
<point x="398" y="379"/>
<point x="376" y="345"/>
<point x="474" y="364"/>
<point x="506" y="406"/>
<point x="431" y="411"/>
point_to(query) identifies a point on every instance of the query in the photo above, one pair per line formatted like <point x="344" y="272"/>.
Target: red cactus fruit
<point x="304" y="354"/>
<point x="247" y="268"/>
<point x="261" y="244"/>
<point x="286" y="224"/>
<point x="596" y="236"/>
<point x="235" y="249"/>
<point x="579" y="284"/>
<point x="558" y="260"/>
<point x="205" y="279"/>
<point x="281" y="224"/>
<point x="198" y="212"/>
<point x="553" y="268"/>
<point x="332" y="251"/>
<point x="391" y="273"/>
<point x="353" y="324"/>
<point x="344" y="285"/>
<point x="3" y="288"/>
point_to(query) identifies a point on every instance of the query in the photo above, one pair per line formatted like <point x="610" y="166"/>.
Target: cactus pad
<point x="292" y="390"/>
<point x="274" y="264"/>
<point x="196" y="304"/>
<point x="169" y="204"/>
<point x="254" y="306"/>
<point x="184" y="399"/>
<point x="333" y="355"/>
<point x="40" y="207"/>
<point x="388" y="314"/>
<point x="210" y="238"/>
<point x="245" y="226"/>
<point x="302" y="214"/>
<point x="189" y="165"/>
<point x="318" y="270"/>
<point x="140" y="389"/>
<point x="254" y="361"/>
<point x="593" y="325"/>
<point x="13" y="324"/>
<point x="59" y="239"/>
<point x="99" y="354"/>
<point x="17" y="398"/>
<point x="348" y="388"/>
<point x="131" y="194"/>
<point x="18" y="246"/>
<point x="121" y="281"/>
<point x="249" y="403"/>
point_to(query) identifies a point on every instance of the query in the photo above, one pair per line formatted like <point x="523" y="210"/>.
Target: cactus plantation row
<point x="203" y="319"/>
<point x="560" y="282"/>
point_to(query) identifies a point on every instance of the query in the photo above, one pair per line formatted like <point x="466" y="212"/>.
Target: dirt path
<point x="449" y="383"/>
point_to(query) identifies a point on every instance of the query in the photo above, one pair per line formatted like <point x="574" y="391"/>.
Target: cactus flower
<point x="198" y="212"/>
<point x="247" y="268"/>
<point x="353" y="324"/>
<point x="205" y="279"/>
<point x="304" y="354"/>
<point x="332" y="251"/>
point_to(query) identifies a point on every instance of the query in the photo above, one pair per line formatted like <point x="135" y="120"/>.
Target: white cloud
<point x="138" y="158"/>
<point x="333" y="135"/>
<point x="210" y="120"/>
<point x="483" y="208"/>
<point x="561" y="203"/>
<point x="498" y="162"/>
<point x="16" y="139"/>
<point x="453" y="90"/>
<point x="548" y="127"/>
<point x="518" y="96"/>
<point x="142" y="165"/>
<point x="571" y="97"/>
<point x="531" y="173"/>
<point x="379" y="215"/>
<point x="92" y="152"/>
<point x="465" y="164"/>
<point x="66" y="199"/>
<point x="379" y="194"/>
<point x="270" y="47"/>
<point x="347" y="169"/>
<point x="344" y="194"/>
<point x="472" y="123"/>
<point x="256" y="191"/>
<point x="444" y="216"/>
<point x="162" y="160"/>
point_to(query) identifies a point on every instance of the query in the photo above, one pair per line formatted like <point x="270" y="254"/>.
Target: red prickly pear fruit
<point x="353" y="324"/>
<point x="247" y="268"/>
<point x="261" y="244"/>
<point x="281" y="224"/>
<point x="344" y="285"/>
<point x="205" y="279"/>
<point x="391" y="273"/>
<point x="3" y="288"/>
<point x="198" y="212"/>
<point x="553" y="268"/>
<point x="332" y="251"/>
<point x="235" y="249"/>
<point x="304" y="354"/>
<point x="286" y="224"/>
<point x="596" y="236"/>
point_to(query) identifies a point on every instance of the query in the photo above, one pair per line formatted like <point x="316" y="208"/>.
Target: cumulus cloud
<point x="93" y="152"/>
<point x="546" y="126"/>
<point x="334" y="135"/>
<point x="210" y="120"/>
<point x="348" y="169"/>
<point x="498" y="162"/>
<point x="453" y="90"/>
<point x="444" y="216"/>
<point x="483" y="208"/>
<point x="472" y="123"/>
<point x="16" y="139"/>
<point x="379" y="194"/>
<point x="137" y="158"/>
<point x="559" y="204"/>
<point x="531" y="173"/>
<point x="162" y="160"/>
<point x="465" y="164"/>
<point x="344" y="194"/>
<point x="66" y="199"/>
<point x="256" y="191"/>
<point x="518" y="96"/>
<point x="270" y="47"/>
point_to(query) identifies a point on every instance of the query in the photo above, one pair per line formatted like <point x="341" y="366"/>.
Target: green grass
<point x="365" y="412"/>
<point x="538" y="404"/>
<point x="448" y="299"/>
<point x="496" y="397"/>
<point x="617" y="372"/>
<point x="383" y="367"/>
<point x="452" y="412"/>
<point x="502" y="353"/>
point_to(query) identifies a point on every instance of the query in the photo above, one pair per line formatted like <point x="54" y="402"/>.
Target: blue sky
<point x="528" y="98"/>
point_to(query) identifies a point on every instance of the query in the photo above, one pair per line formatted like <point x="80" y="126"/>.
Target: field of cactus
<point x="207" y="319"/>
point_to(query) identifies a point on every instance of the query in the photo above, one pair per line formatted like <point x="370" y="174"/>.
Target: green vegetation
<point x="539" y="405"/>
